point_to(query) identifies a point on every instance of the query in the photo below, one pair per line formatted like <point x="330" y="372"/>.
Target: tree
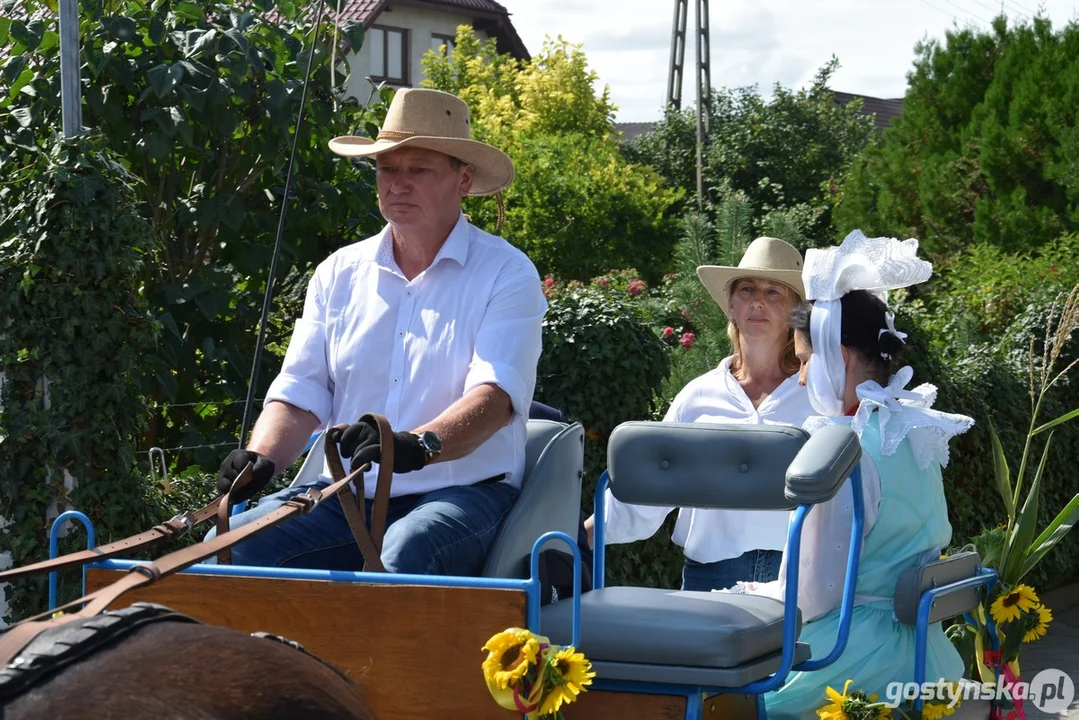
<point x="200" y="100"/>
<point x="789" y="153"/>
<point x="576" y="206"/>
<point x="985" y="150"/>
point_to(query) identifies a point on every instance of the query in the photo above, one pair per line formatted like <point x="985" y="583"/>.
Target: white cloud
<point x="758" y="43"/>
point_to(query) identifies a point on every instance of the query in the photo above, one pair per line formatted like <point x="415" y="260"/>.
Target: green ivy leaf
<point x="163" y="78"/>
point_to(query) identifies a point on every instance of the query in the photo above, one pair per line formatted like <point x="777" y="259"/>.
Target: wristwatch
<point x="431" y="443"/>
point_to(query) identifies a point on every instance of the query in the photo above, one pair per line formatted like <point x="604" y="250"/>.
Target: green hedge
<point x="72" y="248"/>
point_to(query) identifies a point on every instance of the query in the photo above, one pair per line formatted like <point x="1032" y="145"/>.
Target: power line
<point x="976" y="17"/>
<point x="949" y="14"/>
<point x="995" y="11"/>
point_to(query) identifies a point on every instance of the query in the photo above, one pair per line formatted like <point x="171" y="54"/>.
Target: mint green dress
<point x="912" y="521"/>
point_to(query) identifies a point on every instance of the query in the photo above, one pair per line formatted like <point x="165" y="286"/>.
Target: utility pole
<point x="703" y="76"/>
<point x="678" y="53"/>
<point x="704" y="94"/>
<point x="70" y="83"/>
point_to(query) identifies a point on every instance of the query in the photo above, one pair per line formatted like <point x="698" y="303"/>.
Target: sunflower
<point x="570" y="672"/>
<point x="834" y="710"/>
<point x="1038" y="630"/>
<point x="510" y="654"/>
<point x="1011" y="606"/>
<point x="935" y="711"/>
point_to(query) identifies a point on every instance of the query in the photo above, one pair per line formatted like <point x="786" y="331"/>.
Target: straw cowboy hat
<point x="439" y="121"/>
<point x="766" y="257"/>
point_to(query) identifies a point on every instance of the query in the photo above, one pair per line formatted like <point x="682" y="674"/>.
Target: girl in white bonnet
<point x="848" y="346"/>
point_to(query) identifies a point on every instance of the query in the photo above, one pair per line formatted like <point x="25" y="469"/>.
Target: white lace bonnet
<point x="876" y="265"/>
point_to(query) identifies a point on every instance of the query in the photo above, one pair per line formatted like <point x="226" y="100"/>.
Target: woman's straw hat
<point x="766" y="257"/>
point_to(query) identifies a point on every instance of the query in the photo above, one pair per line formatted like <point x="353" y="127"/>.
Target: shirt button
<point x="395" y="381"/>
<point x="401" y="334"/>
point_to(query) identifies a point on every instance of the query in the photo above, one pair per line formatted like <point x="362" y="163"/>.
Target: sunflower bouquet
<point x="526" y="673"/>
<point x="859" y="705"/>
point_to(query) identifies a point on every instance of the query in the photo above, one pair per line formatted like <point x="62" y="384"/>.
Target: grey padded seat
<point x="550" y="497"/>
<point x="706" y="638"/>
<point x="658" y="627"/>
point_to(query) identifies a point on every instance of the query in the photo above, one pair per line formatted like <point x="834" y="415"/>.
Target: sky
<point x="761" y="43"/>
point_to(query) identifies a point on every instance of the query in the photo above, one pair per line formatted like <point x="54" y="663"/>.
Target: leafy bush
<point x="603" y="365"/>
<point x="984" y="151"/>
<point x="576" y="207"/>
<point x="200" y="100"/>
<point x="788" y="153"/>
<point x="988" y="379"/>
<point x="76" y="328"/>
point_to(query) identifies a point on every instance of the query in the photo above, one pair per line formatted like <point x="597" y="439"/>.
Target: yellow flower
<point x="935" y="711"/>
<point x="1011" y="606"/>
<point x="570" y="673"/>
<point x="510" y="654"/>
<point x="1045" y="616"/>
<point x="834" y="710"/>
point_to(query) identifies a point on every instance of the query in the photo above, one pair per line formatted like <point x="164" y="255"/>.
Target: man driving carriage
<point x="434" y="324"/>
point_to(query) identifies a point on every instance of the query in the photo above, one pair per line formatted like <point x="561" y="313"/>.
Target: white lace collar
<point x="902" y="413"/>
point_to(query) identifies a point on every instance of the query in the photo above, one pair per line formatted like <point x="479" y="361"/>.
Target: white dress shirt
<point x="710" y="535"/>
<point x="372" y="341"/>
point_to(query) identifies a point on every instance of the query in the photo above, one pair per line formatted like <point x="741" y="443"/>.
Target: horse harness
<point x="41" y="645"/>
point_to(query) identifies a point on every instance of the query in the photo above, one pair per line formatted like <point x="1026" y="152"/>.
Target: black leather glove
<point x="360" y="442"/>
<point x="261" y="473"/>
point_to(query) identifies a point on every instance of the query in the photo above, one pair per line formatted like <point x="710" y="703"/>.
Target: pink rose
<point x="687" y="340"/>
<point x="636" y="287"/>
<point x="549" y="281"/>
<point x="668" y="332"/>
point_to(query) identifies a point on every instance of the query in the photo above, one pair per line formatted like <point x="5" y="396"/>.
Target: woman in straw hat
<point x="757" y="384"/>
<point x="432" y="323"/>
<point x="847" y="344"/>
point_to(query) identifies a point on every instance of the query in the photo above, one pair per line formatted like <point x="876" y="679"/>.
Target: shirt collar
<point x="454" y="248"/>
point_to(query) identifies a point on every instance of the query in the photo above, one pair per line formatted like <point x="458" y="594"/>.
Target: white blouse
<point x="711" y="535"/>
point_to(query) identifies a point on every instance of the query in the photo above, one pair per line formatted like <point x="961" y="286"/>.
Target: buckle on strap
<point x="179" y="525"/>
<point x="305" y="501"/>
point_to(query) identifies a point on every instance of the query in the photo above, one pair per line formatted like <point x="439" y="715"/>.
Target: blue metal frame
<point x="695" y="695"/>
<point x="983" y="578"/>
<point x="54" y="550"/>
<point x="790" y="611"/>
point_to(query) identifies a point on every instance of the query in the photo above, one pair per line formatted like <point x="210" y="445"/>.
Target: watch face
<point x="432" y="442"/>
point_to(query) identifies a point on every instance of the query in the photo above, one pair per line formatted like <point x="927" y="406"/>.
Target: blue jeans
<point x="752" y="566"/>
<point x="449" y="531"/>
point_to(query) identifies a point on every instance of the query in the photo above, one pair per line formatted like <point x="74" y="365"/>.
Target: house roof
<point x="631" y="130"/>
<point x="884" y="111"/>
<point x="488" y="16"/>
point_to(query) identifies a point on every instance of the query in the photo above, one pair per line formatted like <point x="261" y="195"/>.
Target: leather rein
<point x="18" y="636"/>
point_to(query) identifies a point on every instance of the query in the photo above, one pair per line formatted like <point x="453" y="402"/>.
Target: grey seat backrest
<point x="550" y="497"/>
<point x="914" y="582"/>
<point x="711" y="465"/>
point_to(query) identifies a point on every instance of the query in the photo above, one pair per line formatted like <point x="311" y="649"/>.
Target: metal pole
<point x="70" y="90"/>
<point x="701" y="54"/>
<point x="678" y="53"/>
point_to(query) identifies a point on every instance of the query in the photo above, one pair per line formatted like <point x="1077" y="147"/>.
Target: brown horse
<point x="171" y="667"/>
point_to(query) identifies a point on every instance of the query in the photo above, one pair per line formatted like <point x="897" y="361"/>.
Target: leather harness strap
<point x="353" y="505"/>
<point x="172" y="529"/>
<point x="13" y="640"/>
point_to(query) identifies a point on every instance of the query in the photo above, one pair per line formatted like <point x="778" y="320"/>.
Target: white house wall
<point x="422" y="26"/>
